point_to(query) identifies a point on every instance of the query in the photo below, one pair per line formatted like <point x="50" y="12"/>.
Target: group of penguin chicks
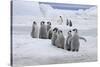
<point x="71" y="43"/>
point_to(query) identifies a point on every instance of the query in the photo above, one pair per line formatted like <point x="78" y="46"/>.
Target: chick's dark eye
<point x="73" y="29"/>
<point x="69" y="31"/>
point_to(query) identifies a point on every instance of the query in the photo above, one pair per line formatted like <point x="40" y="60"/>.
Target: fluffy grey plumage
<point x="54" y="36"/>
<point x="75" y="44"/>
<point x="48" y="25"/>
<point x="68" y="42"/>
<point x="34" y="30"/>
<point x="43" y="31"/>
<point x="60" y="41"/>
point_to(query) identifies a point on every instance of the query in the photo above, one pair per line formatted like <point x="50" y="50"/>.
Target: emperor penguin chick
<point x="75" y="44"/>
<point x="34" y="32"/>
<point x="54" y="36"/>
<point x="49" y="30"/>
<point x="60" y="41"/>
<point x="68" y="42"/>
<point x="43" y="31"/>
<point x="48" y="26"/>
<point x="50" y="33"/>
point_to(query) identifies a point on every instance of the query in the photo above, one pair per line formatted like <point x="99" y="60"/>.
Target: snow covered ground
<point x="34" y="51"/>
<point x="29" y="51"/>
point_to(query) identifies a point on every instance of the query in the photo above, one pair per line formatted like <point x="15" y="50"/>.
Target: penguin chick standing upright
<point x="43" y="31"/>
<point x="34" y="32"/>
<point x="54" y="36"/>
<point x="67" y="22"/>
<point x="50" y="33"/>
<point x="70" y="23"/>
<point x="60" y="41"/>
<point x="68" y="42"/>
<point x="49" y="30"/>
<point x="75" y="44"/>
<point x="48" y="26"/>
